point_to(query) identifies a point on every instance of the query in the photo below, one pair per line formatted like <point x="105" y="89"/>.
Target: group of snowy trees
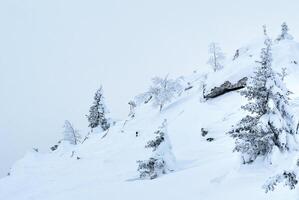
<point x="164" y="90"/>
<point x="162" y="161"/>
<point x="268" y="125"/>
<point x="97" y="119"/>
<point x="161" y="92"/>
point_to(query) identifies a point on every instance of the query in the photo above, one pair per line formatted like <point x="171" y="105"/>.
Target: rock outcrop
<point x="226" y="87"/>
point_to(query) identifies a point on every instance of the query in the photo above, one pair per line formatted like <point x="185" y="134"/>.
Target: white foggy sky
<point x="54" y="54"/>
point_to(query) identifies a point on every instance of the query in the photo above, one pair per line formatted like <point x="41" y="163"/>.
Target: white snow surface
<point x="107" y="167"/>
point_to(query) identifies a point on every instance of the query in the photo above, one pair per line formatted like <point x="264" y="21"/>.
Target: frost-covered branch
<point x="162" y="91"/>
<point x="216" y="57"/>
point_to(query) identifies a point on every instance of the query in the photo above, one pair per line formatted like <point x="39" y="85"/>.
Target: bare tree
<point x="162" y="91"/>
<point x="216" y="56"/>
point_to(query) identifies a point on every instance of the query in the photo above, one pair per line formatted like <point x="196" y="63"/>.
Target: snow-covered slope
<point x="106" y="168"/>
<point x="285" y="55"/>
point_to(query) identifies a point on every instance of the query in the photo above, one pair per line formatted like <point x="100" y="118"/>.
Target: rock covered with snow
<point x="226" y="87"/>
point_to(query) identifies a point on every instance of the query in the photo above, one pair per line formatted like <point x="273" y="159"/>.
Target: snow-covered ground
<point x="107" y="168"/>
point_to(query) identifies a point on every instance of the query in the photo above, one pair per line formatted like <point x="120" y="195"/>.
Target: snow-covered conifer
<point x="70" y="134"/>
<point x="216" y="57"/>
<point x="270" y="122"/>
<point x="132" y="109"/>
<point x="162" y="91"/>
<point x="288" y="177"/>
<point x="284" y="33"/>
<point x="98" y="111"/>
<point x="283" y="73"/>
<point x="162" y="160"/>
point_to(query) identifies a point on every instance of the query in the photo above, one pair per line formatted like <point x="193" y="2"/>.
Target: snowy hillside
<point x="104" y="166"/>
<point x="285" y="55"/>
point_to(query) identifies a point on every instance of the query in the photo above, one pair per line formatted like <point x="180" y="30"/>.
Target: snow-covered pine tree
<point x="162" y="91"/>
<point x="71" y="134"/>
<point x="98" y="111"/>
<point x="288" y="177"/>
<point x="270" y="122"/>
<point x="162" y="160"/>
<point x="284" y="33"/>
<point x="283" y="73"/>
<point x="132" y="109"/>
<point x="216" y="56"/>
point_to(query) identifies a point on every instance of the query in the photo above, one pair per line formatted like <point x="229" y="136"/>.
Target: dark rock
<point x="54" y="147"/>
<point x="204" y="132"/>
<point x="236" y="54"/>
<point x="188" y="88"/>
<point x="210" y="139"/>
<point x="226" y="87"/>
